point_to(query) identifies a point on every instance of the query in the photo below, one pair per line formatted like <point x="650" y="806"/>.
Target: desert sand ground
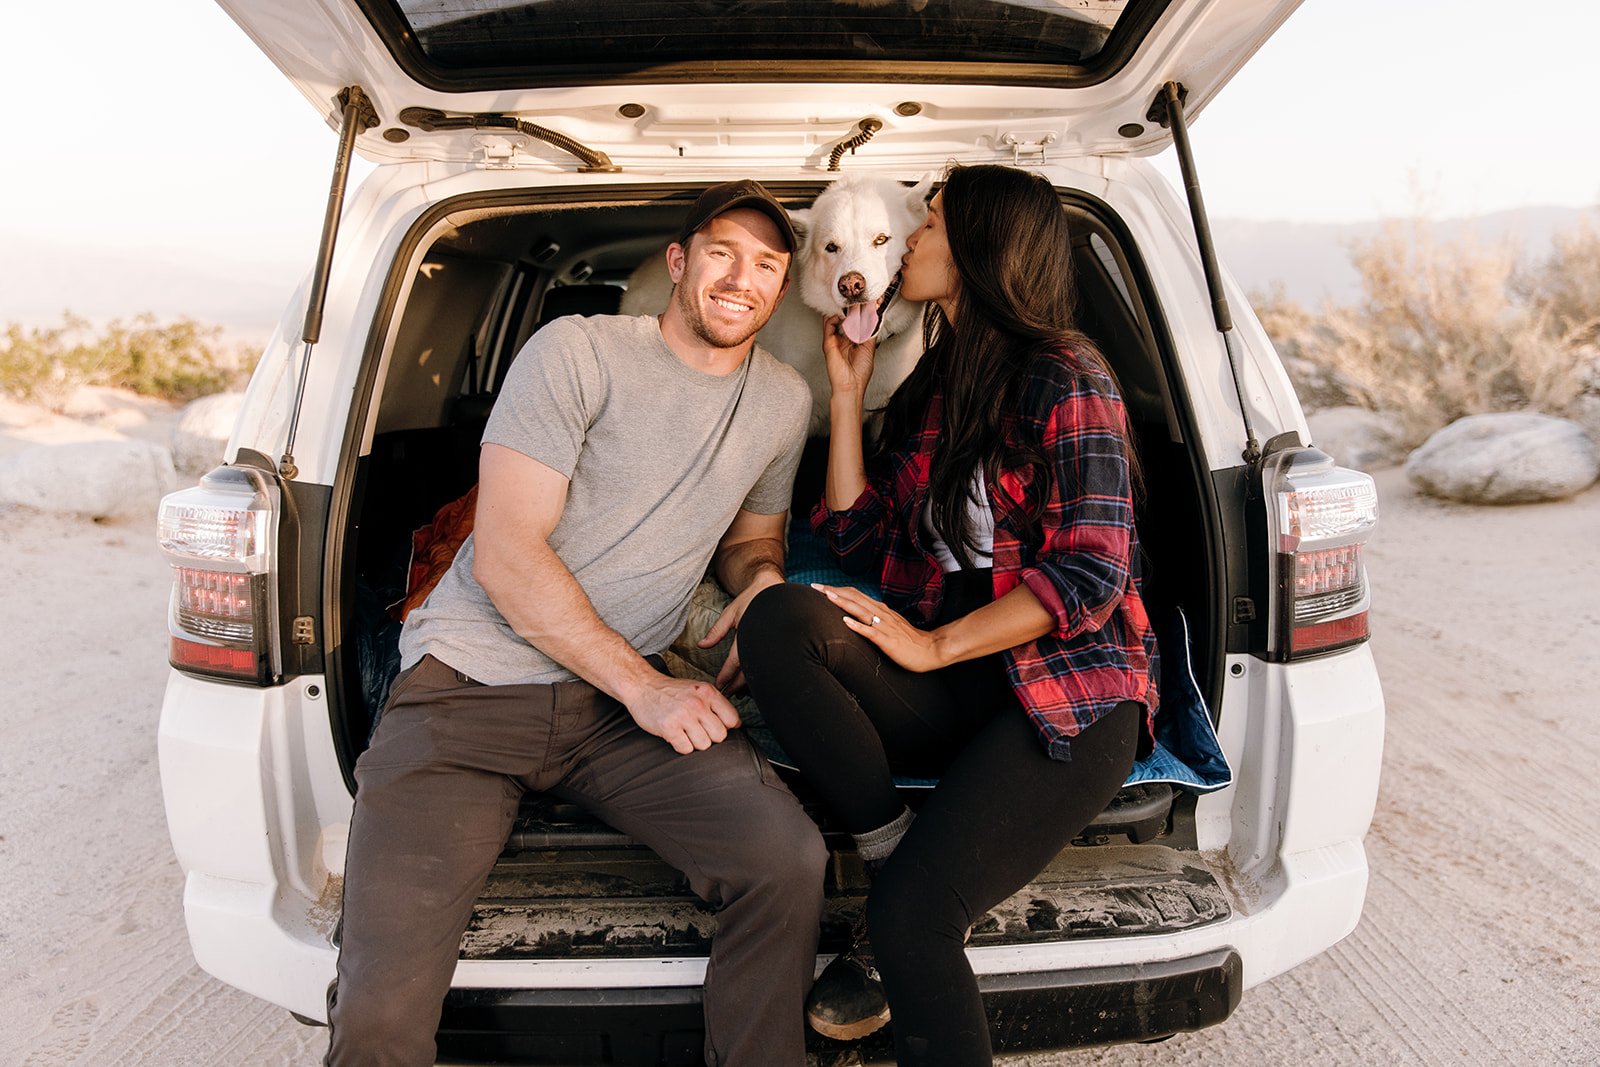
<point x="1479" y="943"/>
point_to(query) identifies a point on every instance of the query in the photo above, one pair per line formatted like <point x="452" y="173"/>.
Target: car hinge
<point x="1028" y="147"/>
<point x="1167" y="109"/>
<point x="429" y="119"/>
<point x="356" y="111"/>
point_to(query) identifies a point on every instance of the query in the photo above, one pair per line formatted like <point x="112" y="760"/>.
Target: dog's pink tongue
<point x="861" y="322"/>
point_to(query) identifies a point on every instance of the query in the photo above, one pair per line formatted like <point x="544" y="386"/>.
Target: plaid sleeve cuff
<point x="865" y="510"/>
<point x="1040" y="585"/>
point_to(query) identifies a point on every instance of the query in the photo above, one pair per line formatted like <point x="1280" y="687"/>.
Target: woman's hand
<point x="914" y="649"/>
<point x="849" y="364"/>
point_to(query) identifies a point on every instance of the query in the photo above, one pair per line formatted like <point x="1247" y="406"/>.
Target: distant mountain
<point x="39" y="280"/>
<point x="1311" y="261"/>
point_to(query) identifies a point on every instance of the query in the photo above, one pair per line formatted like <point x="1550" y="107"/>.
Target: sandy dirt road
<point x="1480" y="942"/>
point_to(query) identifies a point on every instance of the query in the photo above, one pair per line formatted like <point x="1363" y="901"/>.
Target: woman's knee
<point x="782" y="621"/>
<point x="912" y="910"/>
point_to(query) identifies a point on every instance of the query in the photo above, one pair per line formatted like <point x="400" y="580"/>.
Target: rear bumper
<point x="1034" y="1011"/>
<point x="257" y="809"/>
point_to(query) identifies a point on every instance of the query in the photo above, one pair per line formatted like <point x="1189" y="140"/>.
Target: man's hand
<point x="730" y="679"/>
<point x="686" y="714"/>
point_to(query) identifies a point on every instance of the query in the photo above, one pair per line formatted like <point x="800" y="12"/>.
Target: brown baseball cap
<point x="729" y="195"/>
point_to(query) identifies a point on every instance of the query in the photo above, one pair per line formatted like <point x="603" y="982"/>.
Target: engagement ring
<point x="876" y="620"/>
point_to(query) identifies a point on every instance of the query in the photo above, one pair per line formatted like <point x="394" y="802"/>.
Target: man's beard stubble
<point x="696" y="321"/>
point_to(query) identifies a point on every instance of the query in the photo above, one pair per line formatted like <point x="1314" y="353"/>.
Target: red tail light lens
<point x="213" y="659"/>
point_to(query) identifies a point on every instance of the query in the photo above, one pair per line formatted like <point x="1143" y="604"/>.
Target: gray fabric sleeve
<point x="774" y="490"/>
<point x="552" y="393"/>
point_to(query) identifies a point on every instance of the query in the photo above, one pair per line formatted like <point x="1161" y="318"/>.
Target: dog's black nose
<point x="853" y="286"/>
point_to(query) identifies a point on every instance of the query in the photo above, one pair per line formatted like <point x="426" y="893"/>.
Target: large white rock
<point x="1511" y="458"/>
<point x="1585" y="411"/>
<point x="98" y="479"/>
<point x="202" y="431"/>
<point x="1357" y="437"/>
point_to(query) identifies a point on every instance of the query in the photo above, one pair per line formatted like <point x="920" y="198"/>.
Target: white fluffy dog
<point x="851" y="241"/>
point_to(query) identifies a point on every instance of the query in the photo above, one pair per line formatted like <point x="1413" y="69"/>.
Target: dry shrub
<point x="1565" y="288"/>
<point x="1446" y="329"/>
<point x="179" y="360"/>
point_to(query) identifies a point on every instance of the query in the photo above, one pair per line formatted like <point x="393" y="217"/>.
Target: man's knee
<point x="782" y="856"/>
<point x="805" y="856"/>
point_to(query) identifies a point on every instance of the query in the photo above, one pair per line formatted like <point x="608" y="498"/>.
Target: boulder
<point x="1511" y="458"/>
<point x="1356" y="437"/>
<point x="1585" y="411"/>
<point x="98" y="479"/>
<point x="202" y="431"/>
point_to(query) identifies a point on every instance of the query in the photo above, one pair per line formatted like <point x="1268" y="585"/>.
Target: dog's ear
<point x="800" y="219"/>
<point x="917" y="197"/>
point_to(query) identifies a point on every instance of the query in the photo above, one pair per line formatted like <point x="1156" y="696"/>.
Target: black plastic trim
<point x="398" y="38"/>
<point x="1218" y="530"/>
<point x="1028" y="1012"/>
<point x="1240" y="547"/>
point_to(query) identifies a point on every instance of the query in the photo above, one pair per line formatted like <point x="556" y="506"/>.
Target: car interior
<point x="497" y="275"/>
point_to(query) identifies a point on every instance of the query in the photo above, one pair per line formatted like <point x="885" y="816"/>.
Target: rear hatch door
<point x="678" y="85"/>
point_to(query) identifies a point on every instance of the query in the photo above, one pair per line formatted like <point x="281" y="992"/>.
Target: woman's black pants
<point x="1002" y="810"/>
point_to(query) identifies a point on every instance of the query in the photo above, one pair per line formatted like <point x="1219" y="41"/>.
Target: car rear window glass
<point x="551" y="40"/>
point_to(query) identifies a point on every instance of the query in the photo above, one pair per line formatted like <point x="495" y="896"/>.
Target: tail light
<point x="220" y="538"/>
<point x="1319" y="516"/>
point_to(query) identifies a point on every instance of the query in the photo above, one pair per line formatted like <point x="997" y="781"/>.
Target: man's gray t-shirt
<point x="660" y="458"/>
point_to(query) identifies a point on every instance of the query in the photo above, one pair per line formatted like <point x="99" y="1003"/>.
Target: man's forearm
<point x="545" y="605"/>
<point x="759" y="560"/>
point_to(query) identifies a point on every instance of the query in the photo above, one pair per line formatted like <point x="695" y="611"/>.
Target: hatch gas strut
<point x="1168" y="111"/>
<point x="428" y="118"/>
<point x="357" y="111"/>
<point x="860" y="135"/>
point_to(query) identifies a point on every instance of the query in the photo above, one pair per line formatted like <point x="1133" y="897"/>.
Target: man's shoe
<point x="846" y="1001"/>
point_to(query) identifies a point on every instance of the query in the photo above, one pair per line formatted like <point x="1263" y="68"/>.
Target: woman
<point x="1013" y="658"/>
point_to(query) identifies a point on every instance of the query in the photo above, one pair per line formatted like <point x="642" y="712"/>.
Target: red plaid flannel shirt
<point x="1084" y="568"/>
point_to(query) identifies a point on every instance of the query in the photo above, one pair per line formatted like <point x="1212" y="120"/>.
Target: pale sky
<point x="158" y="126"/>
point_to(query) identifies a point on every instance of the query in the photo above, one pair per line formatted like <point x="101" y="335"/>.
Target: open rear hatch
<point x="669" y="85"/>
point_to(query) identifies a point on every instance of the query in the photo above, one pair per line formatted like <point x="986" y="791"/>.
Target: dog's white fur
<point x="849" y="216"/>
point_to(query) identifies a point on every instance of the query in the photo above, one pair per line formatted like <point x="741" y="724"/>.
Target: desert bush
<point x="1298" y="335"/>
<point x="1446" y="329"/>
<point x="178" y="360"/>
<point x="1565" y="286"/>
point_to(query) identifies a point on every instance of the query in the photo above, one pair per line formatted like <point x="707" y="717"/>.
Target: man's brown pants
<point x="437" y="792"/>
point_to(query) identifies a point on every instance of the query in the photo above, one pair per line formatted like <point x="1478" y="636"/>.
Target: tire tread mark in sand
<point x="68" y="1035"/>
<point x="1413" y="1000"/>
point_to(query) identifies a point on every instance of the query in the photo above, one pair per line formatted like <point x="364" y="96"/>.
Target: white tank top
<point x="981" y="518"/>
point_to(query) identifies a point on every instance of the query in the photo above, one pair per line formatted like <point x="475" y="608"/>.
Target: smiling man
<point x="623" y="456"/>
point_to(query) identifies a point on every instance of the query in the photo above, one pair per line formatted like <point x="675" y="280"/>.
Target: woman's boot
<point x="847" y="1001"/>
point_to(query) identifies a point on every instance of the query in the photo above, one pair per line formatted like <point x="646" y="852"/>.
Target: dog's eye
<point x="831" y="247"/>
<point x="880" y="240"/>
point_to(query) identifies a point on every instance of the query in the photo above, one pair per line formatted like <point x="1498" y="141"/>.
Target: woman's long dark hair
<point x="1013" y="259"/>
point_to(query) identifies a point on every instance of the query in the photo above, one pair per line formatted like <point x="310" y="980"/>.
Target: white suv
<point x="531" y="154"/>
